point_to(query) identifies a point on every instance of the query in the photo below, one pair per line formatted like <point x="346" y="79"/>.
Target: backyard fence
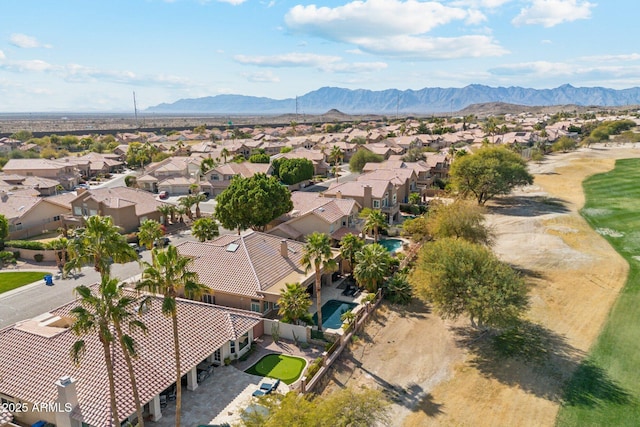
<point x="287" y="331"/>
<point x="308" y="385"/>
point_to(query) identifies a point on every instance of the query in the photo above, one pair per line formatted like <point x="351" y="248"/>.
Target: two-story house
<point x="219" y="178"/>
<point x="65" y="172"/>
<point x="370" y="193"/>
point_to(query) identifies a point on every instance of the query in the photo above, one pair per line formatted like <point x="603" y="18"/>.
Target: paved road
<point x="34" y="299"/>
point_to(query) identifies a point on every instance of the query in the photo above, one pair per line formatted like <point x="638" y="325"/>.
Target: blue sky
<point x="79" y="55"/>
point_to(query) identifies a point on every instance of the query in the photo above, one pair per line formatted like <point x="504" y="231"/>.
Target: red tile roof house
<point x="219" y="178"/>
<point x="37" y="368"/>
<point x="370" y="193"/>
<point x="312" y="212"/>
<point x="248" y="271"/>
<point x="29" y="215"/>
<point x="66" y="173"/>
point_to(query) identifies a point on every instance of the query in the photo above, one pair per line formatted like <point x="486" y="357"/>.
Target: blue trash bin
<point x="48" y="280"/>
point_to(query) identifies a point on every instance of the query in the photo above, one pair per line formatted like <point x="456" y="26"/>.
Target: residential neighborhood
<point x="217" y="285"/>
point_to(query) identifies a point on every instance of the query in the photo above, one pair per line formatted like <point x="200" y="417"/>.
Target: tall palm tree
<point x="372" y="266"/>
<point x="116" y="308"/>
<point x="374" y="221"/>
<point x="168" y="275"/>
<point x="294" y="303"/>
<point x="60" y="247"/>
<point x="205" y="229"/>
<point x="99" y="243"/>
<point x="317" y="255"/>
<point x="197" y="199"/>
<point x="225" y="153"/>
<point x="349" y="246"/>
<point x="206" y="165"/>
<point x="187" y="202"/>
<point x="165" y="210"/>
<point x="92" y="316"/>
<point x="336" y="155"/>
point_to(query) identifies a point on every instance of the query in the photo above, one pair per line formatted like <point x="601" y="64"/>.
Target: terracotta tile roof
<point x="31" y="363"/>
<point x="248" y="269"/>
<point x="395" y="176"/>
<point x="356" y="188"/>
<point x="305" y="202"/>
<point x="117" y="197"/>
<point x="343" y="231"/>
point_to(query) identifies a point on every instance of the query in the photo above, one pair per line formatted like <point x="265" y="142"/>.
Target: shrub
<point x="26" y="244"/>
<point x="38" y="257"/>
<point x="6" y="257"/>
<point x="16" y="254"/>
<point x="314" y="367"/>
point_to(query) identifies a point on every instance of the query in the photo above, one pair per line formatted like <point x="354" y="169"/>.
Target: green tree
<point x="345" y="407"/>
<point x="460" y="220"/>
<point x="460" y="277"/>
<point x="197" y="199"/>
<point x="99" y="243"/>
<point x="225" y="153"/>
<point x="149" y="232"/>
<point x="22" y="135"/>
<point x="336" y="155"/>
<point x="252" y="202"/>
<point x="375" y="221"/>
<point x="4" y="230"/>
<point x="416" y="228"/>
<point x="187" y="203"/>
<point x="205" y="229"/>
<point x="168" y="275"/>
<point x="166" y="212"/>
<point x="564" y="144"/>
<point x="206" y="165"/>
<point x="350" y="245"/>
<point x="286" y="149"/>
<point x="317" y="255"/>
<point x="414" y="198"/>
<point x="489" y="172"/>
<point x="60" y="246"/>
<point x="292" y="171"/>
<point x="259" y="158"/>
<point x="130" y="181"/>
<point x="294" y="303"/>
<point x="361" y="158"/>
<point x="372" y="266"/>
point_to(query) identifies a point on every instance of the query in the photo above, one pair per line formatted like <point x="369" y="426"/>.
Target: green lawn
<point x="605" y="390"/>
<point x="286" y="368"/>
<point x="15" y="279"/>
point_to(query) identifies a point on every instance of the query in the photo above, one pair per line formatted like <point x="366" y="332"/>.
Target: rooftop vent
<point x="65" y="380"/>
<point x="232" y="247"/>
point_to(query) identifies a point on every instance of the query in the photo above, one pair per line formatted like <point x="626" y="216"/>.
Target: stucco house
<point x="370" y="193"/>
<point x="36" y="366"/>
<point x="219" y="178"/>
<point x="29" y="215"/>
<point x="248" y="271"/>
<point x="66" y="173"/>
<point x="311" y="212"/>
<point x="128" y="207"/>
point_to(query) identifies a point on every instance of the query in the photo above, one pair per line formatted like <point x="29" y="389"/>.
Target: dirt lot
<point x="436" y="375"/>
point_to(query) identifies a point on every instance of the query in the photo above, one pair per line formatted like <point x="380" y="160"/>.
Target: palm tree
<point x="414" y="198"/>
<point x="168" y="275"/>
<point x="294" y="304"/>
<point x="349" y="246"/>
<point x="197" y="199"/>
<point x="317" y="255"/>
<point x="166" y="211"/>
<point x="149" y="232"/>
<point x="374" y="221"/>
<point x="99" y="243"/>
<point x="205" y="229"/>
<point x="60" y="247"/>
<point x="372" y="266"/>
<point x="187" y="202"/>
<point x="336" y="155"/>
<point x="398" y="289"/>
<point x="179" y="211"/>
<point x="91" y="316"/>
<point x="206" y="165"/>
<point x="225" y="153"/>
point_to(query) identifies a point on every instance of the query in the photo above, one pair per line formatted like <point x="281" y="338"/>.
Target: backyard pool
<point x="331" y="312"/>
<point x="392" y="245"/>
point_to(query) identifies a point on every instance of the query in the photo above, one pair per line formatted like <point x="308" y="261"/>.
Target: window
<point x="243" y="341"/>
<point x="232" y="346"/>
<point x="77" y="211"/>
<point x="56" y="218"/>
<point x="19" y="226"/>
<point x="93" y="212"/>
<point x="265" y="307"/>
<point x="376" y="203"/>
<point x="217" y="357"/>
<point x="209" y="299"/>
<point x="395" y="198"/>
<point x="255" y="305"/>
<point x="215" y="177"/>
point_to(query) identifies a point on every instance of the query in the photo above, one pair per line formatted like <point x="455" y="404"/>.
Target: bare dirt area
<point x="436" y="373"/>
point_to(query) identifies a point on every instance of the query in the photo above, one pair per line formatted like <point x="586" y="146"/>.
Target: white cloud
<point x="354" y="67"/>
<point x="355" y="51"/>
<point x="32" y="65"/>
<point x="612" y="58"/>
<point x="288" y="60"/>
<point x="233" y="2"/>
<point x="569" y="70"/>
<point x="2" y="56"/>
<point x="546" y="41"/>
<point x="394" y="28"/>
<point x="262" y="77"/>
<point x="478" y="4"/>
<point x="26" y="42"/>
<point x="549" y="13"/>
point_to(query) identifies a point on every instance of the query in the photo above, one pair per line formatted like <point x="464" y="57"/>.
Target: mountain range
<point x="392" y="101"/>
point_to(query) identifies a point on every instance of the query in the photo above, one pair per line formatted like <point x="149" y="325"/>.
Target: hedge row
<point x="26" y="244"/>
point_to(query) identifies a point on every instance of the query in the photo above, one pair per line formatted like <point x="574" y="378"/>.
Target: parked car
<point x="163" y="195"/>
<point x="162" y="242"/>
<point x="136" y="247"/>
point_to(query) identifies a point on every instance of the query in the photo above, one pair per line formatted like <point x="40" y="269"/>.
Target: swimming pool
<point x="331" y="312"/>
<point x="392" y="245"/>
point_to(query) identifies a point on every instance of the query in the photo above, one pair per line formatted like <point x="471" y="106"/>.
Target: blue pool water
<point x="392" y="245"/>
<point x="331" y="312"/>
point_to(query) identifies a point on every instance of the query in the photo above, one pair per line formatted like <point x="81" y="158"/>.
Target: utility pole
<point x="135" y="109"/>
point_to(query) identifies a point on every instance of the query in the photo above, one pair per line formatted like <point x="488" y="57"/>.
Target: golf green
<point x="285" y="368"/>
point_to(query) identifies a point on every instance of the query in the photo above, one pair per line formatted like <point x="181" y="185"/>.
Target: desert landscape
<point x="439" y="373"/>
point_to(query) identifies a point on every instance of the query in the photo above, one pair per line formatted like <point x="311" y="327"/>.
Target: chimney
<point x="367" y="203"/>
<point x="338" y="194"/>
<point x="67" y="400"/>
<point x="284" y="249"/>
<point x="80" y="190"/>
